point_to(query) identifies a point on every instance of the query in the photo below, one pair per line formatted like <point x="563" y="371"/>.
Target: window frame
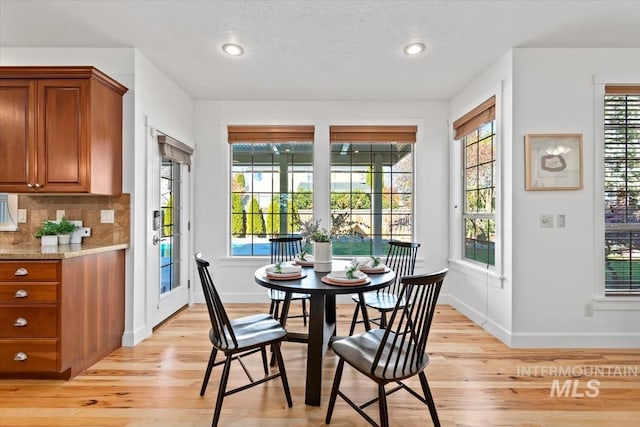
<point x="610" y="89"/>
<point x="372" y="136"/>
<point x="321" y="170"/>
<point x="493" y="275"/>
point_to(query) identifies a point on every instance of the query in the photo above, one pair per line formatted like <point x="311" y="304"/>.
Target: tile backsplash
<point x="85" y="208"/>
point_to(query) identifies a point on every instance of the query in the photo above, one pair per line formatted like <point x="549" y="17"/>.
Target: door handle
<point x="155" y="240"/>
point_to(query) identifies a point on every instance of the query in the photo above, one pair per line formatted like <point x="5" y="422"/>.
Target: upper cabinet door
<point x="63" y="135"/>
<point x="17" y="135"/>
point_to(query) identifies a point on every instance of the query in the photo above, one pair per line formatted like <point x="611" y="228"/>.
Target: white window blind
<point x="622" y="189"/>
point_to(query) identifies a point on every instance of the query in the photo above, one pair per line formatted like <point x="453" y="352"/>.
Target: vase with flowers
<point x="321" y="240"/>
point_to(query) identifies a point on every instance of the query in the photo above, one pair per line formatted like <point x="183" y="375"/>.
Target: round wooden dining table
<point x="322" y="314"/>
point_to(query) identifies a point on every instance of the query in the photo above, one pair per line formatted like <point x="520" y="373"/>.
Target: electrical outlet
<point x="22" y="215"/>
<point x="85" y="231"/>
<point x="106" y="216"/>
<point x="588" y="310"/>
<point x="59" y="214"/>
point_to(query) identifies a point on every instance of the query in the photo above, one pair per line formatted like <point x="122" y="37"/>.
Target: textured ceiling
<point x="320" y="50"/>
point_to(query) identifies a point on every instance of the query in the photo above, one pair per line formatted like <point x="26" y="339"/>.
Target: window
<point x="8" y="212"/>
<point x="476" y="130"/>
<point x="271" y="184"/>
<point x="371" y="187"/>
<point x="622" y="189"/>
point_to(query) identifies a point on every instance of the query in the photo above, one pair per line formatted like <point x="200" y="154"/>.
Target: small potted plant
<point x="321" y="239"/>
<point x="65" y="228"/>
<point x="48" y="234"/>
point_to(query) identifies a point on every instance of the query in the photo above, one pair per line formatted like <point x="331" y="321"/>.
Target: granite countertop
<point x="36" y="251"/>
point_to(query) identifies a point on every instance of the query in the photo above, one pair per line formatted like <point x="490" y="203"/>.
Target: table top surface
<point x="312" y="282"/>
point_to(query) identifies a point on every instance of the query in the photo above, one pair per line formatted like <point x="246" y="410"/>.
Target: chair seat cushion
<point x="279" y="295"/>
<point x="251" y="331"/>
<point x="378" y="300"/>
<point x="360" y="351"/>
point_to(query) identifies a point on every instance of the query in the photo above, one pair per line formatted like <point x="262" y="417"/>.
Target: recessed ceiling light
<point x="414" y="48"/>
<point x="232" y="49"/>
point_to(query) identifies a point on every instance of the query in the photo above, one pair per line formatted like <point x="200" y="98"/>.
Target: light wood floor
<point x="475" y="380"/>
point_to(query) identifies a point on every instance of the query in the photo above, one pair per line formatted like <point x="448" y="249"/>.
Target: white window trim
<point x="12" y="223"/>
<point x="493" y="274"/>
<point x="322" y="172"/>
<point x="601" y="301"/>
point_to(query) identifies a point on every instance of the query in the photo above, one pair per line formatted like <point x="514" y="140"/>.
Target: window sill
<point x="477" y="272"/>
<point x="8" y="228"/>
<point x="616" y="303"/>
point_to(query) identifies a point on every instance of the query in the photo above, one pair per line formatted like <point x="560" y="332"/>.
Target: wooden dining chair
<point x="286" y="249"/>
<point x="395" y="353"/>
<point x="401" y="258"/>
<point x="237" y="338"/>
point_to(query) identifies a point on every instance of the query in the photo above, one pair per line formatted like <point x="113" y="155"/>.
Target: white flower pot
<point x="64" y="239"/>
<point x="322" y="256"/>
<point x="49" y="240"/>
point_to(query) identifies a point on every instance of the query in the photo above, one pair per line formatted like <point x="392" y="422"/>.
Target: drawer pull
<point x="21" y="293"/>
<point x="21" y="272"/>
<point x="20" y="356"/>
<point x="20" y="322"/>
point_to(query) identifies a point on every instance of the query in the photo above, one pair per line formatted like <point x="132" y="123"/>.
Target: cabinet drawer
<point x="28" y="322"/>
<point x="29" y="271"/>
<point x="29" y="355"/>
<point x="28" y="292"/>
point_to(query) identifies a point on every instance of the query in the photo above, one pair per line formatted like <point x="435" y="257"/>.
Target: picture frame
<point x="553" y="161"/>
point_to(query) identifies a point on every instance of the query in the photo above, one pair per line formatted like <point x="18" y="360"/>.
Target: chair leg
<point x="283" y="373"/>
<point x="265" y="364"/>
<point x="354" y="320"/>
<point x="276" y="307"/>
<point x="382" y="402"/>
<point x="221" y="390"/>
<point x="429" y="397"/>
<point x="334" y="390"/>
<point x="207" y="374"/>
<point x="304" y="311"/>
<point x="383" y="320"/>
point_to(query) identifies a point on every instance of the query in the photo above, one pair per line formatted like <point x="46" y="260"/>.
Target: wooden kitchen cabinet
<point x="59" y="317"/>
<point x="60" y="131"/>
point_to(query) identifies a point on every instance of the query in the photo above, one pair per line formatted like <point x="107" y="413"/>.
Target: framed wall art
<point x="553" y="161"/>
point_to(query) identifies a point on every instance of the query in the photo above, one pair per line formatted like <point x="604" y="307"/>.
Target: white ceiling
<point x="320" y="50"/>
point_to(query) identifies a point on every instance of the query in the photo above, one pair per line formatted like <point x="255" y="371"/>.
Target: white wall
<point x="151" y="94"/>
<point x="484" y="295"/>
<point x="549" y="274"/>
<point x="163" y="105"/>
<point x="559" y="270"/>
<point x="233" y="276"/>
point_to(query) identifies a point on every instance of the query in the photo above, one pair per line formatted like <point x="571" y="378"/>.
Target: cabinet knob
<point x="20" y="356"/>
<point x="30" y="185"/>
<point x="37" y="185"/>
<point x="20" y="322"/>
<point x="21" y="293"/>
<point x="21" y="272"/>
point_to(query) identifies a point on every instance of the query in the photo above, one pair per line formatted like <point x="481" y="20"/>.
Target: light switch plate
<point x="106" y="216"/>
<point x="546" y="221"/>
<point x="22" y="215"/>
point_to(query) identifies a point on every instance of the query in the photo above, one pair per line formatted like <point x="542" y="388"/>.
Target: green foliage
<point x="238" y="216"/>
<point x="49" y="228"/>
<point x="357" y="199"/>
<point x="273" y="217"/>
<point x="66" y="227"/>
<point x="167" y="217"/>
<point x="303" y="199"/>
<point x="255" y="221"/>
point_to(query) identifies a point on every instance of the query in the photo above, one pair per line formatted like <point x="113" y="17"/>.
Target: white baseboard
<point x="133" y="338"/>
<point x="575" y="340"/>
<point x="479" y="318"/>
